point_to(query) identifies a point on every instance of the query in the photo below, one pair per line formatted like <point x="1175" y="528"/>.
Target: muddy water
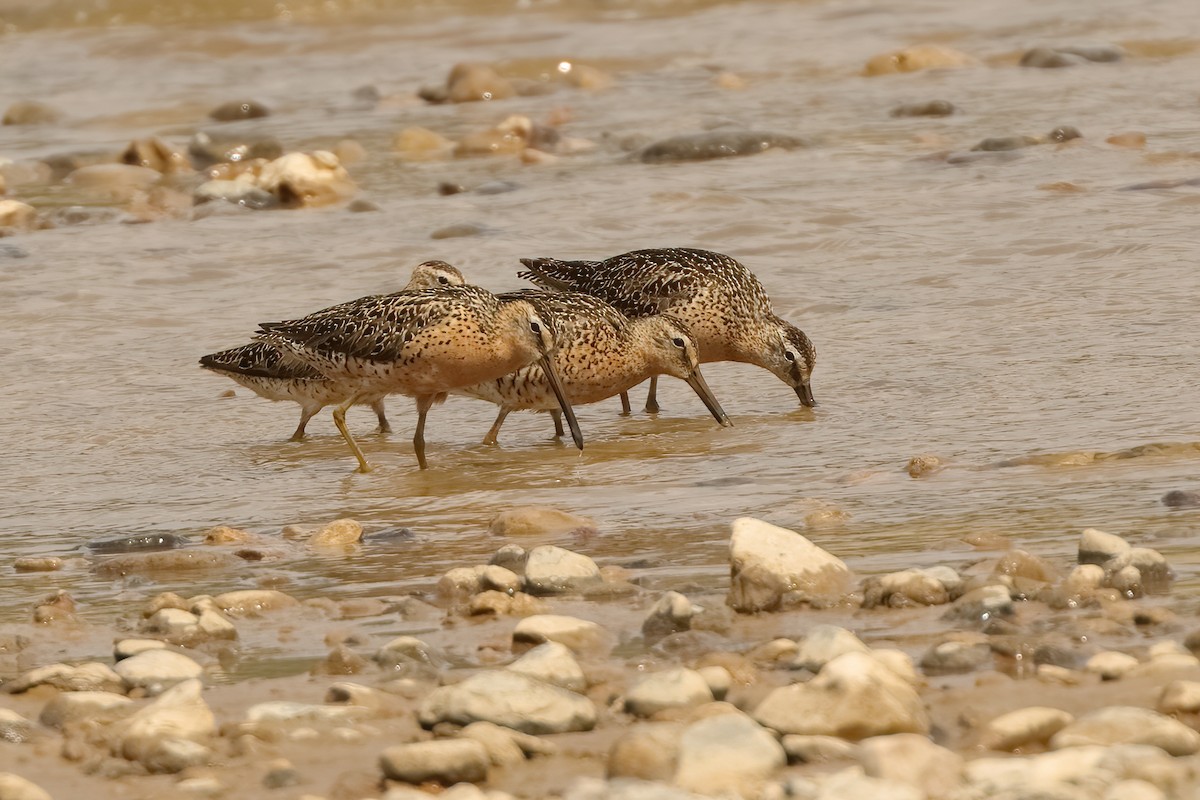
<point x="1013" y="315"/>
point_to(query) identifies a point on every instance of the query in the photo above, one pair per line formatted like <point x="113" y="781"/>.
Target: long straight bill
<point x="547" y="364"/>
<point x="700" y="387"/>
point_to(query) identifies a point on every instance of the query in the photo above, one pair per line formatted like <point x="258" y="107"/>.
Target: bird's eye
<point x="533" y="326"/>
<point x="789" y="355"/>
<point x="443" y="280"/>
<point x="678" y="342"/>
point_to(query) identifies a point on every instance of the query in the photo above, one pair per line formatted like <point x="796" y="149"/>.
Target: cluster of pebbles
<point x="544" y="674"/>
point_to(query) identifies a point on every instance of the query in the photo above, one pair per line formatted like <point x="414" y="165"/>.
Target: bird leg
<point x="652" y="397"/>
<point x="492" y="433"/>
<point x="377" y="407"/>
<point x="306" y="413"/>
<point x="424" y="403"/>
<point x="558" y="428"/>
<point x="339" y="419"/>
<point x="625" y="409"/>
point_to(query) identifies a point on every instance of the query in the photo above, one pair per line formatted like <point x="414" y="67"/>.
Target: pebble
<point x="91" y="676"/>
<point x="239" y="109"/>
<point x="18" y="215"/>
<point x="500" y="579"/>
<point x="38" y="564"/>
<point x="470" y="82"/>
<point x="339" y="533"/>
<point x="905" y="588"/>
<point x="13" y="727"/>
<point x="14" y="787"/>
<point x="666" y="690"/>
<point x="719" y="680"/>
<point x="511" y="557"/>
<point x="931" y="108"/>
<point x="281" y="773"/>
<point x="1057" y="57"/>
<point x="152" y="734"/>
<point x="648" y="751"/>
<point x="510" y="699"/>
<point x="1098" y="547"/>
<point x="580" y="635"/>
<point x="983" y="604"/>
<point x="306" y="179"/>
<point x="625" y="789"/>
<point x="717" y="144"/>
<point x="553" y="570"/>
<point x="504" y="604"/>
<point x="1178" y="498"/>
<point x="805" y="749"/>
<point x="730" y="753"/>
<point x="1033" y="725"/>
<point x="187" y="560"/>
<point x="505" y="746"/>
<point x="1128" y="725"/>
<point x="75" y="706"/>
<point x="403" y="651"/>
<point x="254" y="602"/>
<point x="671" y="613"/>
<point x="421" y="144"/>
<point x="1110" y="665"/>
<point x="854" y="696"/>
<point x="290" y="711"/>
<point x="912" y="760"/>
<point x="31" y="112"/>
<point x="768" y="562"/>
<point x="553" y="663"/>
<point x="537" y="521"/>
<point x="174" y="624"/>
<point x="155" y="670"/>
<point x="918" y="57"/>
<point x="825" y="643"/>
<point x="1180" y="696"/>
<point x="956" y="656"/>
<point x="853" y="784"/>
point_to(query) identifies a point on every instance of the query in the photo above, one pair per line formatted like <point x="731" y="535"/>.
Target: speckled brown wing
<point x="567" y="312"/>
<point x="258" y="360"/>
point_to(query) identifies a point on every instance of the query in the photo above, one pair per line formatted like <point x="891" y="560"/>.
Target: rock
<point x="175" y="624"/>
<point x="505" y="746"/>
<point x="511" y="557"/>
<point x="719" y="680"/>
<point x="155" y="670"/>
<point x="624" y="789"/>
<point x="281" y="773"/>
<point x="14" y="728"/>
<point x="306" y="179"/>
<point x="999" y="144"/>
<point x="553" y="570"/>
<point x="341" y="660"/>
<point x="1180" y="696"/>
<point x="505" y="605"/>
<point x="290" y="712"/>
<point x="578" y="634"/>
<point x="89" y="677"/>
<point x="460" y="583"/>
<point x="239" y="109"/>
<point x="648" y="752"/>
<point x="905" y="588"/>
<point x="1178" y="498"/>
<point x="403" y="652"/>
<point x="853" y="696"/>
<point x="513" y="135"/>
<point x="918" y="57"/>
<point x="14" y="787"/>
<point x="1110" y="665"/>
<point x="538" y="521"/>
<point x="37" y="563"/>
<point x="238" y="192"/>
<point x="924" y="465"/>
<point x="155" y="154"/>
<point x="187" y="560"/>
<point x="717" y="144"/>
<point x="207" y="149"/>
<point x="421" y="144"/>
<point x="75" y="706"/>
<point x="1033" y="725"/>
<point x="1152" y="566"/>
<point x="825" y="643"/>
<point x="500" y="579"/>
<point x="150" y="735"/>
<point x="913" y="760"/>
<point x="730" y="753"/>
<point x="18" y="215"/>
<point x="1128" y="725"/>
<point x="672" y="613"/>
<point x="1047" y="58"/>
<point x="817" y="749"/>
<point x="470" y="82"/>
<point x="956" y="656"/>
<point x="932" y="108"/>
<point x="982" y="604"/>
<point x="510" y="699"/>
<point x="1098" y="547"/>
<point x="444" y="761"/>
<point x="458" y="230"/>
<point x="1134" y="790"/>
<point x="223" y="534"/>
<point x="31" y="112"/>
<point x="1020" y="564"/>
<point x="211" y="622"/>
<point x="131" y="647"/>
<point x="670" y="689"/>
<point x="339" y="533"/>
<point x="253" y="602"/>
<point x="768" y="562"/>
<point x="1084" y="578"/>
<point x="171" y="756"/>
<point x="1035" y="776"/>
<point x="553" y="663"/>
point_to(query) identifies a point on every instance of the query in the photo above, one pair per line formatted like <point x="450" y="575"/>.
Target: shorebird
<point x="422" y="344"/>
<point x="599" y="353"/>
<point x="724" y="306"/>
<point x="263" y="370"/>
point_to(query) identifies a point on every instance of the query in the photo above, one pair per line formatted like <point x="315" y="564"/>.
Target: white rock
<point x="174" y="623"/>
<point x="1098" y="547"/>
<point x="75" y="706"/>
<point x="660" y="691"/>
<point x="15" y="214"/>
<point x="853" y="696"/>
<point x="254" y="602"/>
<point x="289" y="711"/>
<point x="996" y="776"/>
<point x="178" y="713"/>
<point x="1085" y="578"/>
<point x="510" y="699"/>
<point x="131" y="647"/>
<point x="155" y="670"/>
<point x="553" y="570"/>
<point x="1128" y="725"/>
<point x="1134" y="790"/>
<point x="768" y="562"/>
<point x="719" y="680"/>
<point x="13" y="727"/>
<point x="672" y="613"/>
<point x="727" y="753"/>
<point x="89" y="677"/>
<point x="914" y="761"/>
<point x="580" y="635"/>
<point x="1180" y="697"/>
<point x="1033" y="725"/>
<point x="14" y="787"/>
<point x="825" y="643"/>
<point x="914" y="585"/>
<point x="816" y="749"/>
<point x="553" y="663"/>
<point x="404" y="650"/>
<point x="900" y="663"/>
<point x="505" y="746"/>
<point x="446" y="761"/>
<point x="307" y="179"/>
<point x="1110" y="664"/>
<point x="500" y="579"/>
<point x="852" y="784"/>
<point x="461" y="582"/>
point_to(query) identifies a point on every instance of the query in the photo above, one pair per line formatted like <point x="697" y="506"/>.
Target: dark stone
<point x="146" y="543"/>
<point x="932" y="108"/>
<point x="1178" y="498"/>
<point x="1047" y="58"/>
<point x="239" y="109"/>
<point x="458" y="230"/>
<point x="1064" y="133"/>
<point x="1001" y="143"/>
<point x="717" y="144"/>
<point x="389" y="536"/>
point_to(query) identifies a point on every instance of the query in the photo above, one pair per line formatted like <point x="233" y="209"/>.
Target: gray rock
<point x="1128" y="725"/>
<point x="239" y="109"/>
<point x="553" y="663"/>
<point x="155" y="670"/>
<point x="729" y="753"/>
<point x="511" y="557"/>
<point x="956" y="656"/>
<point x="717" y="144"/>
<point x="853" y="696"/>
<point x="908" y="587"/>
<point x="404" y="653"/>
<point x="1098" y="547"/>
<point x="510" y="699"/>
<point x="1047" y="58"/>
<point x="74" y="706"/>
<point x="982" y="604"/>
<point x="824" y="643"/>
<point x="553" y="570"/>
<point x="672" y="613"/>
<point x="768" y="562"/>
<point x="1033" y="725"/>
<point x="13" y="727"/>
<point x="446" y="761"/>
<point x="661" y="691"/>
<point x="14" y="787"/>
<point x="1178" y="498"/>
<point x="578" y="634"/>
<point x="912" y="760"/>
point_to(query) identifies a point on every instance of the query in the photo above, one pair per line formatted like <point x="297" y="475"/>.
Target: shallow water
<point x="987" y="312"/>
